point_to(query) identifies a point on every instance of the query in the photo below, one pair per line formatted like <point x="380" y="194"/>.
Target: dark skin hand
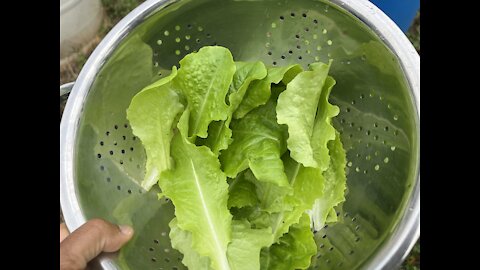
<point x="88" y="241"/>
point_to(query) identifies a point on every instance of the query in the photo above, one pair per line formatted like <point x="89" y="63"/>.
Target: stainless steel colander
<point x="377" y="90"/>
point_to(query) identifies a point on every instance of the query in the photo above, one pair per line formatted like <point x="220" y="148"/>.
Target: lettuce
<point x="277" y="209"/>
<point x="248" y="156"/>
<point x="258" y="143"/>
<point x="271" y="197"/>
<point x="199" y="191"/>
<point x="308" y="185"/>
<point x="335" y="185"/>
<point x="204" y="78"/>
<point x="247" y="243"/>
<point x="259" y="92"/>
<point x="151" y="115"/>
<point x="323" y="131"/>
<point x="304" y="108"/>
<point x="219" y="133"/>
<point x="294" y="250"/>
<point x="242" y="192"/>
<point x="182" y="241"/>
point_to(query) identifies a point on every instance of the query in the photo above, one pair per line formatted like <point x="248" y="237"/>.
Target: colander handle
<point x="66" y="88"/>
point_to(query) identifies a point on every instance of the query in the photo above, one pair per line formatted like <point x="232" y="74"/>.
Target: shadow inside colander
<point x="151" y="246"/>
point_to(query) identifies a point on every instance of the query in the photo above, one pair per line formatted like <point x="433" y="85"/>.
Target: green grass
<point x="414" y="32"/>
<point x="412" y="262"/>
<point x="115" y="10"/>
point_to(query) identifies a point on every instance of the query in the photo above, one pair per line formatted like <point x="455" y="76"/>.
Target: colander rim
<point x="389" y="255"/>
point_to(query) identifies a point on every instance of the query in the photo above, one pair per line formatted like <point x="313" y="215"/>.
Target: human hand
<point x="88" y="241"/>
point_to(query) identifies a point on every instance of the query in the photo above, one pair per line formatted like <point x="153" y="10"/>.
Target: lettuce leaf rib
<point x="204" y="78"/>
<point x="199" y="191"/>
<point x="219" y="132"/>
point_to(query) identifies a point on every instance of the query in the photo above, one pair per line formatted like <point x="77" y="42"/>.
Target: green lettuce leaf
<point x="199" y="191"/>
<point x="204" y="78"/>
<point x="219" y="132"/>
<point x="259" y="91"/>
<point x="219" y="136"/>
<point x="294" y="250"/>
<point x="270" y="196"/>
<point x="246" y="72"/>
<point x="308" y="185"/>
<point x="335" y="186"/>
<point x="332" y="216"/>
<point x="258" y="218"/>
<point x="244" y="250"/>
<point x="182" y="241"/>
<point x="241" y="192"/>
<point x="323" y="131"/>
<point x="269" y="132"/>
<point x="279" y="209"/>
<point x="258" y="143"/>
<point x="304" y="108"/>
<point x="151" y="114"/>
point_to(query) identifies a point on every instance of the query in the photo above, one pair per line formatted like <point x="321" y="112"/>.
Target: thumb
<point x="63" y="232"/>
<point x="89" y="241"/>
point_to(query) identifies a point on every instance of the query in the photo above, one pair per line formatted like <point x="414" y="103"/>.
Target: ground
<point x="117" y="9"/>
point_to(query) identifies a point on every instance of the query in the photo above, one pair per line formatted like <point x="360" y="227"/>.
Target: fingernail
<point x="125" y="229"/>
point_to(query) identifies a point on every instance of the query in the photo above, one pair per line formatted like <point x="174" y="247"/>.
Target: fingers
<point x="89" y="241"/>
<point x="63" y="232"/>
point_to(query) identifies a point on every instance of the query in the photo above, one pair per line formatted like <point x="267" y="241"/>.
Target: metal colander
<point x="377" y="90"/>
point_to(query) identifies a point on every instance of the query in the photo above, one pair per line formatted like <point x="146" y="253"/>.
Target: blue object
<point x="402" y="12"/>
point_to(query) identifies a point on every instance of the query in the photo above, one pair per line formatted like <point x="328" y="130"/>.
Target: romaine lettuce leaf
<point x="335" y="185"/>
<point x="279" y="209"/>
<point x="204" y="78"/>
<point x="259" y="91"/>
<point x="308" y="185"/>
<point x="244" y="250"/>
<point x="199" y="191"/>
<point x="219" y="132"/>
<point x="182" y="241"/>
<point x="241" y="192"/>
<point x="151" y="115"/>
<point x="323" y="131"/>
<point x="294" y="250"/>
<point x="258" y="143"/>
<point x="270" y="196"/>
<point x="246" y="72"/>
<point x="332" y="216"/>
<point x="304" y="108"/>
<point x="238" y="121"/>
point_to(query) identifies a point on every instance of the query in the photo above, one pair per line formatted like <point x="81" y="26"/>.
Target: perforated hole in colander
<point x="180" y="41"/>
<point x="112" y="149"/>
